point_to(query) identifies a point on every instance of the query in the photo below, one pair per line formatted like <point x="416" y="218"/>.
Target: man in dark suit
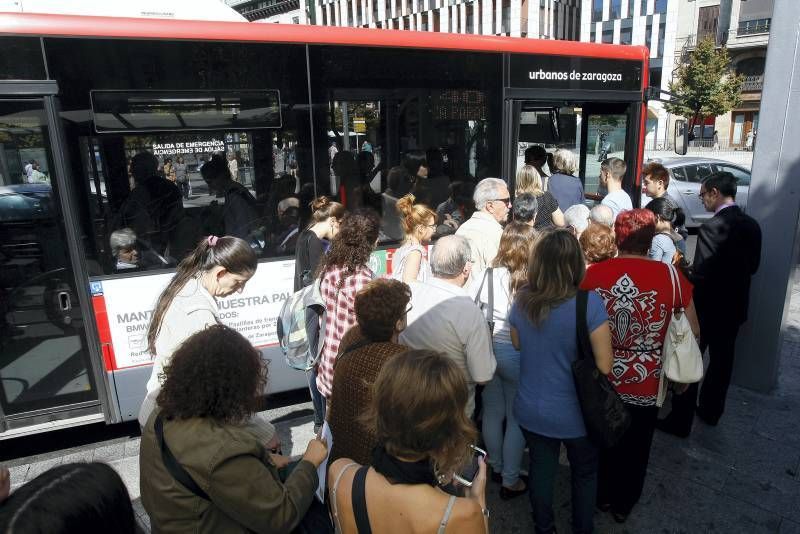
<point x="727" y="255"/>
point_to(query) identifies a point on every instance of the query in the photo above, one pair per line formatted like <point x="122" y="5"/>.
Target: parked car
<point x="686" y="176"/>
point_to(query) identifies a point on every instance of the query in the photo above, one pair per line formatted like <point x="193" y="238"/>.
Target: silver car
<point x="686" y="175"/>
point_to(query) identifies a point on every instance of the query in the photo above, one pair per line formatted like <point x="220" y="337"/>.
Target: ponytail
<point x="232" y="253"/>
<point x="413" y="215"/>
<point x="323" y="208"/>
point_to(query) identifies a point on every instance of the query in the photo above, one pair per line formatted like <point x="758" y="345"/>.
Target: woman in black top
<point x="313" y="241"/>
<point x="547" y="213"/>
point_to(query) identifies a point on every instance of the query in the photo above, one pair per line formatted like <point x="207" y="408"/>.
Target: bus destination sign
<point x="563" y="72"/>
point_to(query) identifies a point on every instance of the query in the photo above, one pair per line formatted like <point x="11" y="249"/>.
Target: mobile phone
<point x="468" y="473"/>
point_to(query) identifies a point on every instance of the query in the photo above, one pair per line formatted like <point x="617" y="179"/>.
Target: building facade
<point x="540" y="19"/>
<point x="743" y="27"/>
<point x="653" y="23"/>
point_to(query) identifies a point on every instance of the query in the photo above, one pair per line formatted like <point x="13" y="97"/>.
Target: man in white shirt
<point x="484" y="228"/>
<point x="612" y="172"/>
<point x="444" y="318"/>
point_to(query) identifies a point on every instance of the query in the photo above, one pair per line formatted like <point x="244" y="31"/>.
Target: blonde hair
<point x="413" y="215"/>
<point x="529" y="181"/>
<point x="565" y="161"/>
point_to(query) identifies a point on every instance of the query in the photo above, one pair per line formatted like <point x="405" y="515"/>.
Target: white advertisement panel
<point x="129" y="304"/>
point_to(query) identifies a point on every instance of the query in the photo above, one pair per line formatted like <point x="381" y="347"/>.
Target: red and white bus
<point x="297" y="109"/>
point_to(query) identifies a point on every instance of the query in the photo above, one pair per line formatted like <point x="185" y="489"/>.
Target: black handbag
<point x="604" y="414"/>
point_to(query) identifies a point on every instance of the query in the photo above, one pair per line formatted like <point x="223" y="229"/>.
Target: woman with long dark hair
<point x="315" y="239"/>
<point x="669" y="217"/>
<point x="218" y="267"/>
<point x="343" y="273"/>
<point x="544" y="327"/>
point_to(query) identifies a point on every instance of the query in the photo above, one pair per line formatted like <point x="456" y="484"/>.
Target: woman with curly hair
<point x="418" y="414"/>
<point x="342" y="274"/>
<point x="381" y="315"/>
<point x="201" y="470"/>
<point x="410" y="262"/>
<point x="597" y="242"/>
<point x="509" y="273"/>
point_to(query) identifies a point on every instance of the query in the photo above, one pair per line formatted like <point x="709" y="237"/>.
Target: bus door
<point x="593" y="131"/>
<point x="46" y="371"/>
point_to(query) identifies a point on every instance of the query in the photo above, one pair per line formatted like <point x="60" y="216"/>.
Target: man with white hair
<point x="484" y="228"/>
<point x="577" y="219"/>
<point x="443" y="317"/>
<point x="602" y="214"/>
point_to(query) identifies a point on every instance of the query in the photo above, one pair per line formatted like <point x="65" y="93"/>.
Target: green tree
<point x="705" y="84"/>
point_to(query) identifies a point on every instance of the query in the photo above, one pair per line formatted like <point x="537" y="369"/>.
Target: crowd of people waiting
<point x="480" y="328"/>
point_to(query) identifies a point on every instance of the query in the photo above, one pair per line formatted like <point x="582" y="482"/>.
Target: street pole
<point x="774" y="201"/>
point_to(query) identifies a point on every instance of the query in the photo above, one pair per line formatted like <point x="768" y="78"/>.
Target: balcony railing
<point x="753" y="83"/>
<point x="751" y="27"/>
<point x="693" y="39"/>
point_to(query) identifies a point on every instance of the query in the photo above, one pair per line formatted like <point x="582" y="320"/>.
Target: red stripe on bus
<point x="170" y="29"/>
<point x="104" y="331"/>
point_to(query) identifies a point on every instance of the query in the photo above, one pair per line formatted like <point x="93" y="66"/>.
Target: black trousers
<point x="721" y="343"/>
<point x="623" y="467"/>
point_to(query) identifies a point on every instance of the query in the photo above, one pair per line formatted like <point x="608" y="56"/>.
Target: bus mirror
<point x="681" y="138"/>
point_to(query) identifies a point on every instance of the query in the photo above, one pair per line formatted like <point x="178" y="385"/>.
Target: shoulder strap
<point x="446" y="518"/>
<point x="334" y="504"/>
<point x="584" y="345"/>
<point x="676" y="288"/>
<point x="360" y="501"/>
<point x="480" y="287"/>
<point x="173" y="466"/>
<point x="490" y="319"/>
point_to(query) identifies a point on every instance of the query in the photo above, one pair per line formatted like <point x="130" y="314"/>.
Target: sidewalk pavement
<point x="739" y="477"/>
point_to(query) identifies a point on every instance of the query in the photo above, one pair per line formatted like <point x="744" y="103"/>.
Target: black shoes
<point x="670" y="427"/>
<point x="706" y="418"/>
<point x="508" y="494"/>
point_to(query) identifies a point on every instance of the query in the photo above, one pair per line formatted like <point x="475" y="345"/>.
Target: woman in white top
<point x="410" y="261"/>
<point x="509" y="272"/>
<point x="668" y="217"/>
<point x="218" y="267"/>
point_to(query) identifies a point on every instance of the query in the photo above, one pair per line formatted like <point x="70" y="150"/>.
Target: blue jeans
<point x="582" y="456"/>
<point x="505" y="451"/>
<point x="317" y="400"/>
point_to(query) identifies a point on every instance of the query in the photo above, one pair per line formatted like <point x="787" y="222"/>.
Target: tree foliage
<point x="706" y="84"/>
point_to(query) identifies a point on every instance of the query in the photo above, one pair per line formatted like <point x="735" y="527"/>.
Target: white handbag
<point x="681" y="359"/>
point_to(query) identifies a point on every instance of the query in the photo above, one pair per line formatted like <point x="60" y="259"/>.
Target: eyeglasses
<point x="702" y="194"/>
<point x="506" y="201"/>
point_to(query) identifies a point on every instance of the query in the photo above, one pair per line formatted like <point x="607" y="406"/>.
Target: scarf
<point x="400" y="472"/>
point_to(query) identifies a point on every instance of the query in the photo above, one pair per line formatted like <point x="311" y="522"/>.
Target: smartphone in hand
<point x="468" y="473"/>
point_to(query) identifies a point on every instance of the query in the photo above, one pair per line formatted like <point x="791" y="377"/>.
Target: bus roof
<point x="194" y="30"/>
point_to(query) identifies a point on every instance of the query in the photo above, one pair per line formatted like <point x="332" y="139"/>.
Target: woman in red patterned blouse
<point x="343" y="272"/>
<point x="639" y="300"/>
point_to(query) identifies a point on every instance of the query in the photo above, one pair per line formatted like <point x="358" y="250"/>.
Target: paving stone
<point x="128" y="469"/>
<point x="79" y="456"/>
<point x="37" y="468"/>
<point x="132" y="447"/>
<point x="18" y="473"/>
<point x="766" y="489"/>
<point x="109" y="453"/>
<point x="789" y="527"/>
<point x="681" y="458"/>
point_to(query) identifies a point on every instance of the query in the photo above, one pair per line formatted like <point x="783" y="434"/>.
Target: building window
<point x="597" y="12"/>
<point x="626" y="36"/>
<point x="616" y="7"/>
<point x="643" y="7"/>
<point x="630" y="7"/>
<point x="655" y="78"/>
<point x="662" y="32"/>
<point x="608" y="36"/>
<point x="661" y="6"/>
<point x="295" y="20"/>
<point x="748" y="27"/>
